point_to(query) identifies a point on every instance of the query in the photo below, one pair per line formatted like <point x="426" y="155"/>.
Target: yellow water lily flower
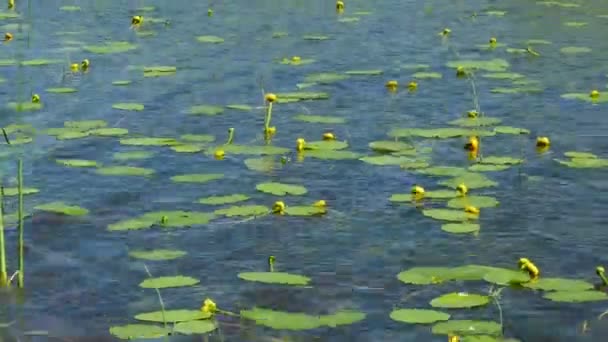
<point x="320" y="204"/>
<point x="209" y="306"/>
<point x="35" y="98"/>
<point x="472" y="113"/>
<point x="300" y="142"/>
<point x="392" y="85"/>
<point x="296" y="59"/>
<point x="493" y="41"/>
<point x="526" y="265"/>
<point x="270" y="131"/>
<point x="462" y="189"/>
<point x="75" y="67"/>
<point x="471" y="210"/>
<point x="460" y="71"/>
<point x="329" y="136"/>
<point x="600" y="272"/>
<point x="137" y="20"/>
<point x="594" y="94"/>
<point x="453" y="338"/>
<point x="219" y="154"/>
<point x="278" y="208"/>
<point x="85" y="64"/>
<point x="542" y="142"/>
<point x="473" y="144"/>
<point x="417" y="190"/>
<point x="340" y="6"/>
<point x="11" y="4"/>
<point x="412" y="86"/>
<point x="8" y="37"/>
<point x="446" y="32"/>
<point x="270" y="97"/>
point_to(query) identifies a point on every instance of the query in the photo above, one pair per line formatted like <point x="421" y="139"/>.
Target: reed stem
<point x="3" y="274"/>
<point x="20" y="277"/>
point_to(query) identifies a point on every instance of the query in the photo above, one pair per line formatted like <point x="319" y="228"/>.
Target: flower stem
<point x="20" y="276"/>
<point x="3" y="274"/>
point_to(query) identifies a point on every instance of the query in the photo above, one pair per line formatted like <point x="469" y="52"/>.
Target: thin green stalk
<point x="268" y="117"/>
<point x="8" y="141"/>
<point x="160" y="298"/>
<point x="230" y="136"/>
<point x="20" y="214"/>
<point x="3" y="274"/>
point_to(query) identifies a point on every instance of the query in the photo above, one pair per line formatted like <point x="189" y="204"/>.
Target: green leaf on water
<point x="331" y="154"/>
<point x="85" y="125"/>
<point x="467" y="327"/>
<point x="516" y="90"/>
<point x="217" y="200"/>
<point x="487" y="167"/>
<point x="573" y="50"/>
<point x="197" y="177"/>
<point x="77" y="162"/>
<point x="121" y="83"/>
<point x="263" y="164"/>
<point x="304" y="210"/>
<point x="418" y="316"/>
<point x="423" y="75"/>
<point x="243" y="210"/>
<point x="157" y="254"/>
<point x="109" y="132"/>
<point x="68" y="135"/>
<point x="440" y="194"/>
<point x="61" y="90"/>
<point x="251" y="149"/>
<point x="198" y="138"/>
<point x="174" y="219"/>
<point x="132" y="155"/>
<point x="319" y="119"/>
<point x="210" y="39"/>
<point x="195" y="327"/>
<point x="62" y="208"/>
<point x="187" y="148"/>
<point x="414" y="165"/>
<point x="70" y="8"/>
<point x="576" y="296"/>
<point x="501" y="160"/>
<point x="475" y="200"/>
<point x="144" y="141"/>
<point x="425" y="275"/>
<point x="315" y="37"/>
<point x="166" y="282"/>
<point x="475" y="122"/>
<point x="124" y="171"/>
<point x="459" y="300"/>
<point x="510" y="130"/>
<point x="205" y="110"/>
<point x="389" y="146"/>
<point x="558" y="284"/>
<point x="244" y="108"/>
<point x="302" y="61"/>
<point x="502" y="276"/>
<point x="460" y="228"/>
<point x="325" y="78"/>
<point x="300" y="321"/>
<point x="139" y="331"/>
<point x="493" y="65"/>
<point x="438" y="133"/>
<point x="471" y="179"/>
<point x="137" y="107"/>
<point x="503" y="75"/>
<point x="24" y="106"/>
<point x="159" y="70"/>
<point x="40" y="62"/>
<point x="301" y="96"/>
<point x="15" y="191"/>
<point x="275" y="278"/>
<point x="385" y="160"/>
<point x="326" y="145"/>
<point x="281" y="189"/>
<point x="603" y="97"/>
<point x="172" y="316"/>
<point x="370" y="72"/>
<point x="449" y="215"/>
<point x="110" y="47"/>
<point x="343" y="317"/>
<point x="584" y="163"/>
<point x="443" y="171"/>
<point x="582" y="155"/>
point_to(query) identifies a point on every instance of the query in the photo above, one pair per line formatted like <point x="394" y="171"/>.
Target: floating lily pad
<point x="24" y="106"/>
<point x="304" y="210"/>
<point x="414" y="165"/>
<point x="487" y="167"/>
<point x="467" y="327"/>
<point x="603" y="97"/>
<point x="173" y="219"/>
<point x="121" y="83"/>
<point x="281" y="189"/>
<point x="493" y="65"/>
<point x="68" y="135"/>
<point x="197" y="177"/>
<point x="385" y="160"/>
<point x="301" y="61"/>
<point x="109" y="132"/>
<point x="370" y="72"/>
<point x="85" y="125"/>
<point x="77" y="162"/>
<point x="275" y="278"/>
<point x="460" y="228"/>
<point x="205" y="110"/>
<point x="300" y="96"/>
<point x="558" y="4"/>
<point x="326" y="145"/>
<point x="139" y="331"/>
<point x="243" y="210"/>
<point x="264" y="164"/>
<point x="348" y="19"/>
<point x="137" y="107"/>
<point x="217" y="200"/>
<point x="124" y="171"/>
<point x="133" y="155"/>
<point x="300" y="321"/>
<point x="244" y="108"/>
<point x="459" y="300"/>
<point x="157" y="254"/>
<point x="475" y="122"/>
<point x="389" y="146"/>
<point x="110" y="47"/>
<point x="62" y="208"/>
<point x="449" y="215"/>
<point x="441" y="194"/>
<point x="187" y="148"/>
<point x="503" y="75"/>
<point x="40" y="62"/>
<point x="315" y="37"/>
<point x="501" y="276"/>
<point x="437" y="133"/>
<point x="172" y="316"/>
<point x="576" y="296"/>
<point x="344" y="317"/>
<point x="584" y="163"/>
<point x="516" y="90"/>
<point x="199" y="138"/>
<point x="320" y="119"/>
<point x="252" y="149"/>
<point x="572" y="50"/>
<point x="195" y="327"/>
<point x="510" y="130"/>
<point x="425" y="275"/>
<point x="160" y="70"/>
<point x="581" y="155"/>
<point x="331" y="154"/>
<point x="61" y="90"/>
<point x="476" y="201"/>
<point x="70" y="8"/>
<point x="471" y="179"/>
<point x="325" y="78"/>
<point x="149" y="141"/>
<point x="558" y="284"/>
<point x="166" y="282"/>
<point x="443" y="171"/>
<point x="419" y="316"/>
<point x="15" y="191"/>
<point x="210" y="39"/>
<point x="423" y="75"/>
<point x="501" y="160"/>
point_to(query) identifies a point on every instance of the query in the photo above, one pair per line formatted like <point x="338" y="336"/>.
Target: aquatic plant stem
<point x="8" y="142"/>
<point x="496" y="297"/>
<point x="20" y="276"/>
<point x="3" y="274"/>
<point x="160" y="298"/>
<point x="230" y="136"/>
<point x="268" y="117"/>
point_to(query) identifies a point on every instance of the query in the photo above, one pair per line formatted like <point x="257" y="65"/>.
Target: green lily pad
<point x="467" y="327"/>
<point x="501" y="276"/>
<point x="68" y="135"/>
<point x="121" y="83"/>
<point x="326" y="145"/>
<point x="77" y="162"/>
<point x="572" y="50"/>
<point x="459" y="300"/>
<point x="139" y="331"/>
<point x="503" y="75"/>
<point x="205" y="110"/>
<point x="418" y="316"/>
<point x="400" y="198"/>
<point x="449" y="215"/>
<point x="110" y="47"/>
<point x="425" y="275"/>
<point x="558" y="284"/>
<point x="475" y="122"/>
<point x="476" y="201"/>
<point x="8" y="62"/>
<point x="275" y="278"/>
<point x="510" y="130"/>
<point x="70" y="8"/>
<point x="581" y="155"/>
<point x="40" y="62"/>
<point x="264" y="164"/>
<point x="414" y="165"/>
<point x="62" y="208"/>
<point x="217" y="200"/>
<point x="61" y="90"/>
<point x="174" y="219"/>
<point x="516" y="90"/>
<point x="320" y="119"/>
<point x="15" y="191"/>
<point x="501" y="160"/>
<point x="124" y="171"/>
<point x="584" y="163"/>
<point x="348" y="19"/>
<point x="300" y="321"/>
<point x="151" y="74"/>
<point x="389" y="146"/>
<point x="471" y="179"/>
<point x="210" y="39"/>
<point x="493" y="65"/>
<point x="443" y="171"/>
<point x="437" y="133"/>
<point x="132" y="155"/>
<point x="487" y="167"/>
<point x="166" y="282"/>
<point x="325" y="78"/>
<point x="385" y="160"/>
<point x="159" y="69"/>
<point x="301" y="61"/>
<point x="344" y="317"/>
<point x="9" y="15"/>
<point x="315" y="37"/>
<point x="585" y="97"/>
<point x="281" y="189"/>
<point x="24" y="106"/>
<point x="460" y="228"/>
<point x="304" y="210"/>
<point x="157" y="254"/>
<point x="137" y="107"/>
<point x="85" y="125"/>
<point x="172" y="316"/>
<point x="197" y="177"/>
<point x="252" y="149"/>
<point x="538" y="42"/>
<point x="370" y="72"/>
<point x="440" y="194"/>
<point x="301" y="96"/>
<point x="20" y="140"/>
<point x="243" y="210"/>
<point x="558" y="4"/>
<point x="199" y="138"/>
<point x="424" y="75"/>
<point x="195" y="327"/>
<point x="109" y="132"/>
<point x="244" y="108"/>
<point x="331" y="154"/>
<point x="576" y="296"/>
<point x="149" y="141"/>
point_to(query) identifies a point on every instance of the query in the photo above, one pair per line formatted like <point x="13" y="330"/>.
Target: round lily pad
<point x="109" y="132"/>
<point x="77" y="162"/>
<point x="487" y="167"/>
<point x="425" y="275"/>
<point x="197" y="177"/>
<point x="110" y="47"/>
<point x="251" y="149"/>
<point x="85" y="125"/>
<point x="389" y="146"/>
<point x="440" y="194"/>
<point x="501" y="276"/>
<point x="281" y="189"/>
<point x="576" y="296"/>
<point x="210" y="39"/>
<point x="172" y="316"/>
<point x="174" y="219"/>
<point x="166" y="282"/>
<point x="304" y="210"/>
<point x="244" y="108"/>
<point x="510" y="130"/>
<point x="501" y="160"/>
<point x="62" y="208"/>
<point x="301" y="96"/>
<point x="198" y="138"/>
<point x="320" y="119"/>
<point x="414" y="165"/>
<point x="282" y="320"/>
<point x="443" y="171"/>
<point x="419" y="316"/>
<point x="369" y="72"/>
<point x="139" y="331"/>
<point x="326" y="145"/>
<point x="129" y="106"/>
<point x="449" y="215"/>
<point x="493" y="65"/>
<point x="275" y="278"/>
<point x="584" y="163"/>
<point x="217" y="200"/>
<point x="471" y="179"/>
<point x="476" y="201"/>
<point x="438" y="133"/>
<point x="243" y="210"/>
<point x="458" y="300"/>
<point x="331" y="154"/>
<point x="148" y="141"/>
<point x="343" y="317"/>
<point x="187" y="148"/>
<point x="460" y="228"/>
<point x="475" y="122"/>
<point x="124" y="171"/>
<point x="195" y="327"/>
<point x="15" y="191"/>
<point x="582" y="155"/>
<point x="503" y="75"/>
<point x="325" y="78"/>
<point x="206" y="110"/>
<point x="157" y="254"/>
<point x="558" y="284"/>
<point x="264" y="164"/>
<point x="467" y="327"/>
<point x="64" y="90"/>
<point x="470" y="272"/>
<point x="424" y="75"/>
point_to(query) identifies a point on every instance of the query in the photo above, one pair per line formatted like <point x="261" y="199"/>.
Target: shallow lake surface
<point x="80" y="279"/>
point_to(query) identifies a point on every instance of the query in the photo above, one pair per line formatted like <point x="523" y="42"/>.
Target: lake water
<point x="80" y="279"/>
